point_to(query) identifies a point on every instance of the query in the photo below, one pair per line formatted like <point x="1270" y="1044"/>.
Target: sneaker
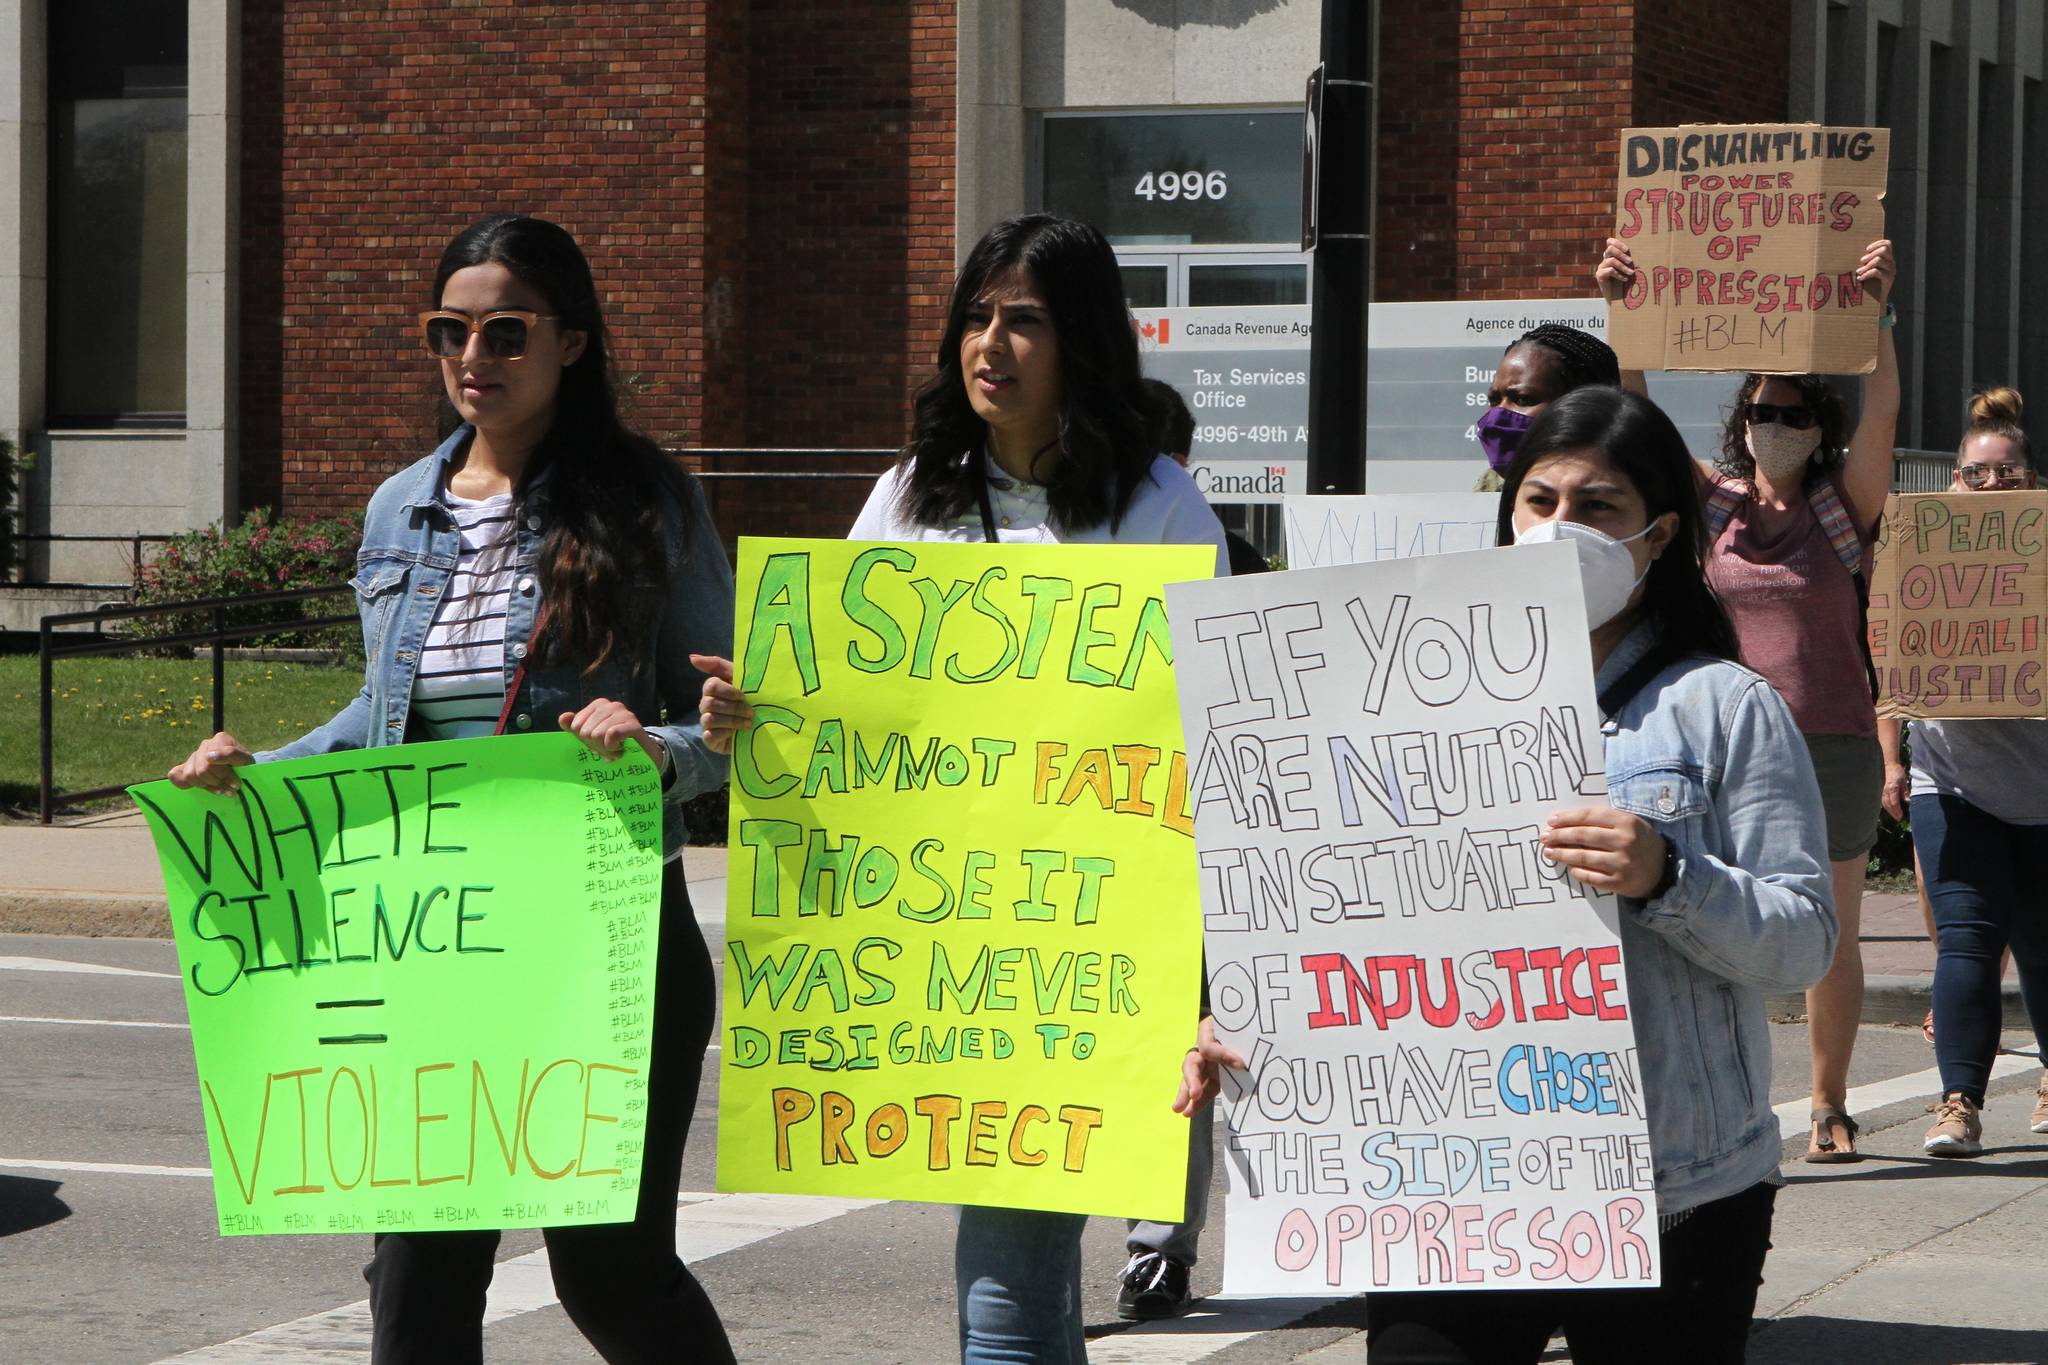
<point x="2040" y="1123"/>
<point x="1154" y="1286"/>
<point x="1957" y="1130"/>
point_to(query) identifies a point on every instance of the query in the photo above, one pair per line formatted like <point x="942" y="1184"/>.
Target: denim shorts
<point x="1850" y="769"/>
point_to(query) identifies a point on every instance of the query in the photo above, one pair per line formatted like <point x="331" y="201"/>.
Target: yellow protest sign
<point x="963" y="923"/>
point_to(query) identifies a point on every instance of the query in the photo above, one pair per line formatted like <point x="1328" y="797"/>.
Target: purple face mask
<point x="1500" y="432"/>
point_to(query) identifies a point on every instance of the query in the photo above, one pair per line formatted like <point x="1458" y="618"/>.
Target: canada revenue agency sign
<point x="1244" y="375"/>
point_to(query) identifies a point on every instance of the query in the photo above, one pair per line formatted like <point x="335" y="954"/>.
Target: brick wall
<point x="1498" y="120"/>
<point x="764" y="192"/>
<point x="1416" y="154"/>
<point x="1725" y="61"/>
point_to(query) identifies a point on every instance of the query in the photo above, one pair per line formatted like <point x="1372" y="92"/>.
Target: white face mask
<point x="1780" y="452"/>
<point x="1606" y="568"/>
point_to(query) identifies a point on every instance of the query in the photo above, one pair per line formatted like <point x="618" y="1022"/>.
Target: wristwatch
<point x="1669" y="877"/>
<point x="662" y="760"/>
<point x="1890" y="316"/>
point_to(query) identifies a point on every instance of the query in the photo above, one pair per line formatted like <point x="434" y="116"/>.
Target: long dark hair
<point x="1105" y="437"/>
<point x="1817" y="393"/>
<point x="604" y="559"/>
<point x="1635" y="436"/>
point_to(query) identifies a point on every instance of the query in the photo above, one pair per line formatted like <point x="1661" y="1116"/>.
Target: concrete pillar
<point x="24" y="224"/>
<point x="212" y="244"/>
<point x="993" y="153"/>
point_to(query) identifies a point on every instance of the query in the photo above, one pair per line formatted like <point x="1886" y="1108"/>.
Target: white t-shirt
<point x="460" y="686"/>
<point x="1165" y="509"/>
<point x="1998" y="766"/>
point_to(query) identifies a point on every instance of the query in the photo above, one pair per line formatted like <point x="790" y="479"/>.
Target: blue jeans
<point x="1180" y="1241"/>
<point x="1985" y="880"/>
<point x="1017" y="1277"/>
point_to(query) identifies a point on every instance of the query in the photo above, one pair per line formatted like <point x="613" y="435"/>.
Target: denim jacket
<point x="409" y="550"/>
<point x="1709" y="755"/>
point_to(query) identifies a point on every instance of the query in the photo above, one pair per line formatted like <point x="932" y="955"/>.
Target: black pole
<point x="45" y="774"/>
<point x="220" y="692"/>
<point x="1336" y="364"/>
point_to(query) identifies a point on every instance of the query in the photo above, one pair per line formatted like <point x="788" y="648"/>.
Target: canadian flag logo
<point x="1160" y="331"/>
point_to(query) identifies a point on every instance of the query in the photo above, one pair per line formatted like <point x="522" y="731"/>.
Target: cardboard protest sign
<point x="1443" y="1089"/>
<point x="1746" y="239"/>
<point x="963" y="940"/>
<point x="420" y="982"/>
<point x="1323" y="530"/>
<point x="1958" y="604"/>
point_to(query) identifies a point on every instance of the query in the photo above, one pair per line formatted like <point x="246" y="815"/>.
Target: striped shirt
<point x="460" y="687"/>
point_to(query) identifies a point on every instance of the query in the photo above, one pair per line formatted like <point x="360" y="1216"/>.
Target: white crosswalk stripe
<point x="707" y="1225"/>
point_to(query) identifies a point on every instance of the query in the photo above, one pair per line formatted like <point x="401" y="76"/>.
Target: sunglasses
<point x="1978" y="475"/>
<point x="507" y="332"/>
<point x="1797" y="418"/>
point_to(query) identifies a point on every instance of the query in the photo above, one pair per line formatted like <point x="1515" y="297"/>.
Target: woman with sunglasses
<point x="1979" y="800"/>
<point x="545" y="568"/>
<point x="1034" y="428"/>
<point x="1791" y="509"/>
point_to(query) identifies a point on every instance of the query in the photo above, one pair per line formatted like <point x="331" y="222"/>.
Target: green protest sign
<point x="420" y="982"/>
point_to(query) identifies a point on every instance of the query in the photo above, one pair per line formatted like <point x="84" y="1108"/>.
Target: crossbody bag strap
<point x="988" y="511"/>
<point x="1623" y="689"/>
<point x="519" y="673"/>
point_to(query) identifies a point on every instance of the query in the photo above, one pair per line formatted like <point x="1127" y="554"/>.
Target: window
<point x="116" y="337"/>
<point x="1197" y="205"/>
<point x="1177" y="179"/>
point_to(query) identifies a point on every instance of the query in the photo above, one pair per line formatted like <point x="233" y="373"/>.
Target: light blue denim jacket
<point x="1709" y="755"/>
<point x="409" y="550"/>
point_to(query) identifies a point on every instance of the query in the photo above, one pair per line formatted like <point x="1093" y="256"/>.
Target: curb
<point x="1901" y="1000"/>
<point x="84" y="915"/>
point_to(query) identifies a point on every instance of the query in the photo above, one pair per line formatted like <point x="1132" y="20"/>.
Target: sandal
<point x="1825" y="1149"/>
<point x="1927" y="1027"/>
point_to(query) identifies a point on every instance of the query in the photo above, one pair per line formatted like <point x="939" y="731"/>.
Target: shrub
<point x="265" y="553"/>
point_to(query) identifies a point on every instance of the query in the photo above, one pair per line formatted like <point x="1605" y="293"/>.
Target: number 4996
<point x="1172" y="185"/>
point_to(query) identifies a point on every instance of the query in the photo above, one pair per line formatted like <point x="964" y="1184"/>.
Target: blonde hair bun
<point x="2000" y="405"/>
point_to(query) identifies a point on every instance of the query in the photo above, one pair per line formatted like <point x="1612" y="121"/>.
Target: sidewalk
<point x="1948" y="1271"/>
<point x="98" y="877"/>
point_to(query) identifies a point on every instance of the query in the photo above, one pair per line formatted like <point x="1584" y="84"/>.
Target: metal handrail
<point x="134" y="540"/>
<point x="49" y="650"/>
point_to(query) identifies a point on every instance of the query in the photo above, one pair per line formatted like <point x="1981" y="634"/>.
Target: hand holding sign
<point x="1202" y="1070"/>
<point x="1607" y="849"/>
<point x="212" y="765"/>
<point x="724" y="708"/>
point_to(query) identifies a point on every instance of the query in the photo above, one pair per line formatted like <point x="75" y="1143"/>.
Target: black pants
<point x="621" y="1283"/>
<point x="1712" y="1265"/>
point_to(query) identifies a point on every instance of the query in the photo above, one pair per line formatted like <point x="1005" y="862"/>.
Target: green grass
<point x="127" y="719"/>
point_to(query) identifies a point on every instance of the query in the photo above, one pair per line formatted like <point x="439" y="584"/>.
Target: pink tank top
<point x="1796" y="617"/>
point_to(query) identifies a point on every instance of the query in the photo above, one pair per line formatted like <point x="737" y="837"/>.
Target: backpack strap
<point x="1722" y="501"/>
<point x="1833" y="515"/>
<point x="1834" y="518"/>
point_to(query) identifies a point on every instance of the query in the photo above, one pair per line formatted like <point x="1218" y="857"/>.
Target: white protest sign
<point x="1443" y="1091"/>
<point x="1362" y="529"/>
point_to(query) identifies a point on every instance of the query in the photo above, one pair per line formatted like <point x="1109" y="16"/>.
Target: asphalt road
<point x="108" y="1254"/>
